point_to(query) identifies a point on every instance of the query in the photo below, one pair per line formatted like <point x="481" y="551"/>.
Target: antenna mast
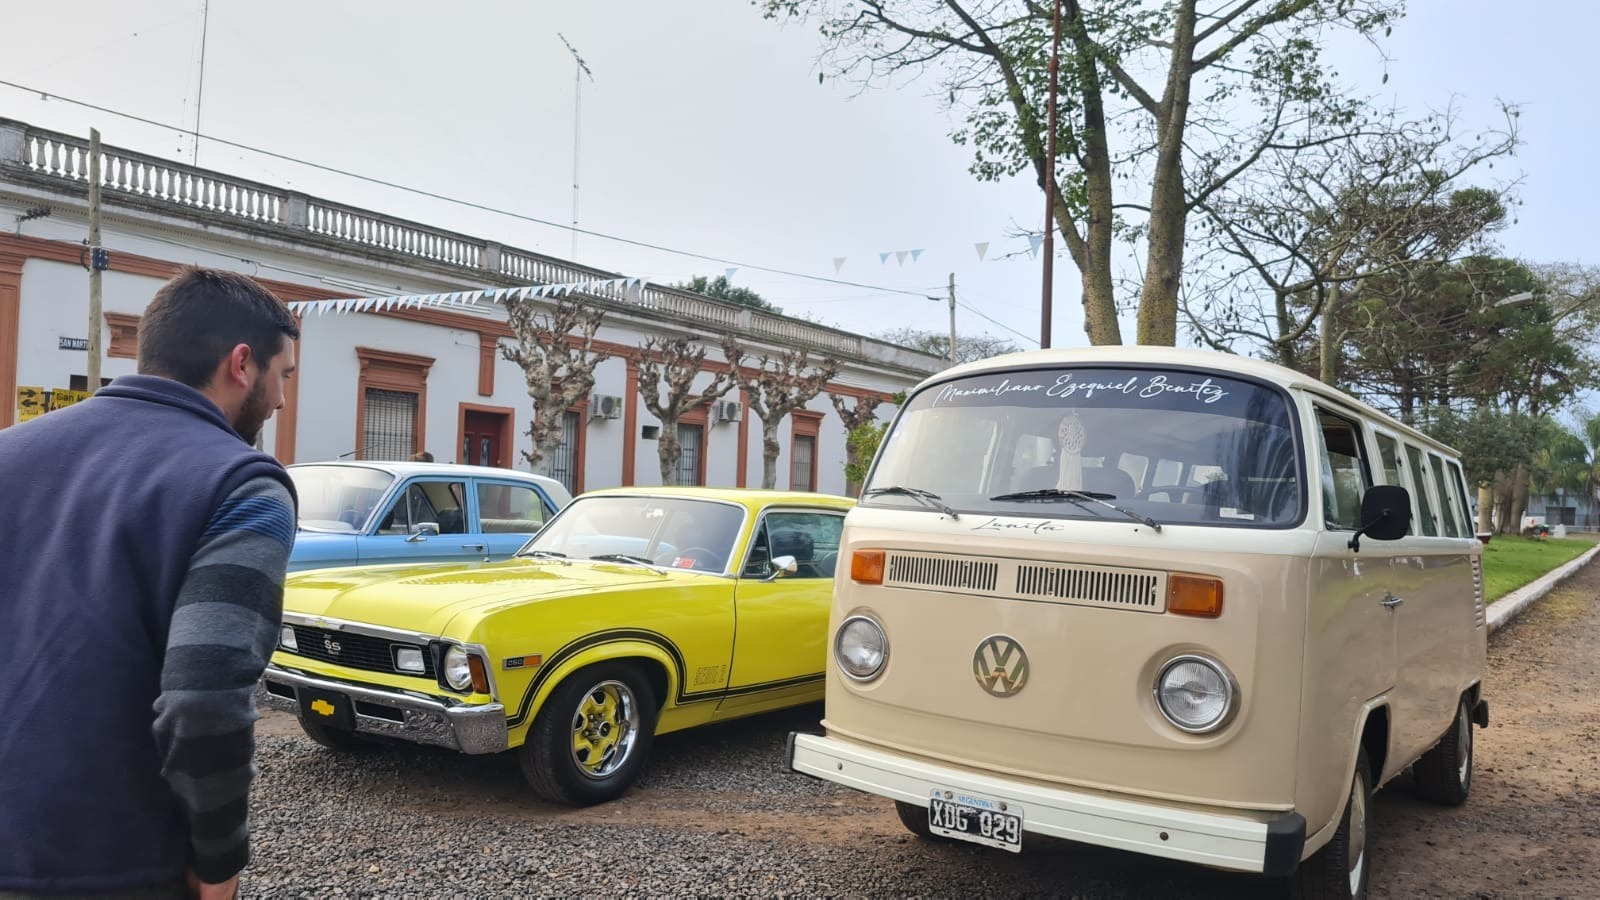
<point x="577" y="106"/>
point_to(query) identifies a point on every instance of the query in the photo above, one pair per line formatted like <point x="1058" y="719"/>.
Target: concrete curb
<point x="1506" y="608"/>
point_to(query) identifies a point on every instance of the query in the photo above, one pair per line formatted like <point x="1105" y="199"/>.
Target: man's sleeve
<point x="224" y="628"/>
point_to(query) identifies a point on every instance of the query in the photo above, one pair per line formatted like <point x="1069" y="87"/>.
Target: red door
<point x="481" y="439"/>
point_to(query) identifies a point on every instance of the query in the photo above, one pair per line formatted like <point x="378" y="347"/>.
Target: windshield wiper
<point x="1081" y="498"/>
<point x="926" y="498"/>
<point x="623" y="557"/>
<point x="547" y="554"/>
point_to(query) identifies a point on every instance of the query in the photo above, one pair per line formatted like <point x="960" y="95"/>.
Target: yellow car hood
<point x="425" y="598"/>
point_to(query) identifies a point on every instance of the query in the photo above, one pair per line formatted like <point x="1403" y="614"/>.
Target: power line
<point x="46" y="95"/>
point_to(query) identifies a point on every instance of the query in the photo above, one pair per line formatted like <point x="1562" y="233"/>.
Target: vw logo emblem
<point x="1001" y="666"/>
<point x="331" y="645"/>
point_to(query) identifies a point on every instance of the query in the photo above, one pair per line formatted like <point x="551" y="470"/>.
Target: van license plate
<point x="976" y="819"/>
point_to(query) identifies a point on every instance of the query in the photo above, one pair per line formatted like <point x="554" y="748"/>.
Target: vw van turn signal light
<point x="1194" y="595"/>
<point x="866" y="566"/>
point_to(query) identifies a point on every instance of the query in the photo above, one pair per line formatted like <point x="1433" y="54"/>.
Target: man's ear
<point x="238" y="363"/>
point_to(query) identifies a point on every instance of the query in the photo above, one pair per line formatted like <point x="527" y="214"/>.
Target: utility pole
<point x="1050" y="183"/>
<point x="952" y="318"/>
<point x="93" y="378"/>
<point x="577" y="106"/>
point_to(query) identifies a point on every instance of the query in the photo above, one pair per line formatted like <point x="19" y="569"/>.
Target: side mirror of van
<point x="1386" y="514"/>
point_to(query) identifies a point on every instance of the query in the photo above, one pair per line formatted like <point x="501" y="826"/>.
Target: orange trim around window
<point x="699" y="417"/>
<point x="389" y="371"/>
<point x="630" y="421"/>
<point x="124" y="331"/>
<point x="508" y="431"/>
<point x="805" y="423"/>
<point x="10" y="330"/>
<point x="580" y="444"/>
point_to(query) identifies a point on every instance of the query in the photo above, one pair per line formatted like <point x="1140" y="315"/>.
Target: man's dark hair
<point x="197" y="318"/>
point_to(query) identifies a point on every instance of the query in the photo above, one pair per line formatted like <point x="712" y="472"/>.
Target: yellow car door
<point x="781" y="617"/>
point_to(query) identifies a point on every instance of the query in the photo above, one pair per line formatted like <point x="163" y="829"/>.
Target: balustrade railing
<point x="63" y="156"/>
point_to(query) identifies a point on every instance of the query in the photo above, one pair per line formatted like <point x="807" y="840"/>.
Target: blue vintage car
<point x="361" y="513"/>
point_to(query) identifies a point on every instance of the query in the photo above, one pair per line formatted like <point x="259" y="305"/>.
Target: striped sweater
<point x="224" y="627"/>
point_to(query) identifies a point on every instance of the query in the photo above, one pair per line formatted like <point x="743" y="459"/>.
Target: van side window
<point x="1430" y="520"/>
<point x="1459" y="485"/>
<point x="1345" y="474"/>
<point x="1389" y="450"/>
<point x="1449" y="515"/>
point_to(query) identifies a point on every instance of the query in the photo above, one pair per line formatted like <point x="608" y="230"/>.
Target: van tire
<point x="915" y="819"/>
<point x="1444" y="774"/>
<point x="1326" y="875"/>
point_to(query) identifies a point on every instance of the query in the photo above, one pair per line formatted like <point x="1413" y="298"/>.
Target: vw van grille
<point x="1477" y="589"/>
<point x="356" y="651"/>
<point x="1095" y="585"/>
<point x="947" y="572"/>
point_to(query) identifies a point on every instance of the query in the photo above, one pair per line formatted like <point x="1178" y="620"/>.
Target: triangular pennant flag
<point x="915" y="254"/>
<point x="1033" y="243"/>
<point x="883" y="258"/>
<point x="488" y="295"/>
<point x="900" y="256"/>
<point x="982" y="248"/>
<point x="838" y="263"/>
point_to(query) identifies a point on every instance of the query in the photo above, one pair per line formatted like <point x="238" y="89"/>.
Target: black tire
<point x="1444" y="774"/>
<point x="337" y="739"/>
<point x="915" y="819"/>
<point x="1328" y="875"/>
<point x="611" y="709"/>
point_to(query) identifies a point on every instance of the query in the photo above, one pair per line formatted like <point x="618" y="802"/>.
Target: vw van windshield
<point x="1173" y="446"/>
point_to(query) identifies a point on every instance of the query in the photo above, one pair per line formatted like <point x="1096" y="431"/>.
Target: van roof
<point x="1223" y="363"/>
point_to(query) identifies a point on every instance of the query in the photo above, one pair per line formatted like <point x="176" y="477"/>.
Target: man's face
<point x="266" y="393"/>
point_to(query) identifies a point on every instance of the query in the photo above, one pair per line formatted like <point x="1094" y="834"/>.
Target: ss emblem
<point x="331" y="645"/>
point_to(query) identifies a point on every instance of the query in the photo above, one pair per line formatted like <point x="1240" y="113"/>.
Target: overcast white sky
<point x="704" y="130"/>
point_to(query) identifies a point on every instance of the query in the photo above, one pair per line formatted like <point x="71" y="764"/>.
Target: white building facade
<point x="386" y="384"/>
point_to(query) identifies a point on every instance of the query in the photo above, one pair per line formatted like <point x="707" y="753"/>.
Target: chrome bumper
<point x="392" y="713"/>
<point x="1270" y="843"/>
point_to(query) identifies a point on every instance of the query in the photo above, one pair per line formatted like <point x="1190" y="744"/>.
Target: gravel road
<point x="715" y="814"/>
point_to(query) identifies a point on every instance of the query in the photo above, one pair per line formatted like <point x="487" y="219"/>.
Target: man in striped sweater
<point x="140" y="599"/>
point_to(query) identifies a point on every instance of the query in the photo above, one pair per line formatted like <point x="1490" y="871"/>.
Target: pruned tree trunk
<point x="770" y="449"/>
<point x="853" y="417"/>
<point x="777" y="386"/>
<point x="667" y="369"/>
<point x="555" y="351"/>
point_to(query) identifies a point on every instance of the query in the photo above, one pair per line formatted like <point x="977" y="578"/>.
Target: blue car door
<point x="509" y="512"/>
<point x="426" y="521"/>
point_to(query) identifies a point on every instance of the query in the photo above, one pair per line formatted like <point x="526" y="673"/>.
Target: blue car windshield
<point x="338" y="499"/>
<point x="1172" y="446"/>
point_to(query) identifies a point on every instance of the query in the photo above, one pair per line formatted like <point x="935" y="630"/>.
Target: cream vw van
<point x="1168" y="601"/>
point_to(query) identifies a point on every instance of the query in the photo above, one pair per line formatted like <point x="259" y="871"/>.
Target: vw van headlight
<point x="457" y="670"/>
<point x="1196" y="693"/>
<point x="861" y="648"/>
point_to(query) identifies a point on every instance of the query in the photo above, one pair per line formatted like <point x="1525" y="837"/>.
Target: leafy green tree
<point x="1171" y="99"/>
<point x="723" y="289"/>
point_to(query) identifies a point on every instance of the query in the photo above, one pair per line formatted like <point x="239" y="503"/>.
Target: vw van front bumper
<point x="389" y="713"/>
<point x="1268" y="842"/>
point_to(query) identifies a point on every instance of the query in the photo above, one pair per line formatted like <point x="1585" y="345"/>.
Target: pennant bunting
<point x="915" y="254"/>
<point x="838" y="263"/>
<point x="884" y="257"/>
<point x="982" y="248"/>
<point x="729" y="272"/>
<point x="900" y="256"/>
<point x="1033" y="243"/>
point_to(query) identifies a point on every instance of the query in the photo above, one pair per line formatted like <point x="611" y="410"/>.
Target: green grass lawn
<point x="1509" y="562"/>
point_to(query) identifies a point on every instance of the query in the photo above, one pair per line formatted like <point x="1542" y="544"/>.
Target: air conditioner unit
<point x="727" y="410"/>
<point x="605" y="406"/>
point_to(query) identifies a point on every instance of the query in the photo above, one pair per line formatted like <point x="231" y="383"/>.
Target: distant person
<point x="138" y="616"/>
<point x="422" y="456"/>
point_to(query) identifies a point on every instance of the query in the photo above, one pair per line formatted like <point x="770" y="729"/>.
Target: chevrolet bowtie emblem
<point x="1001" y="666"/>
<point x="322" y="707"/>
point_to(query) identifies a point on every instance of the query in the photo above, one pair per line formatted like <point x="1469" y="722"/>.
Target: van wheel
<point x="591" y="738"/>
<point x="1444" y="774"/>
<point x="336" y="738"/>
<point x="1339" y="870"/>
<point x="915" y="819"/>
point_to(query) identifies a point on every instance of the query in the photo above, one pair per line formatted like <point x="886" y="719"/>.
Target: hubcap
<point x="603" y="729"/>
<point x="1356" y="857"/>
<point x="1464" y="745"/>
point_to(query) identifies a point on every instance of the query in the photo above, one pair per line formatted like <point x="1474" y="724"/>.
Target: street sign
<point x="61" y="398"/>
<point x="67" y="343"/>
<point x="30" y="403"/>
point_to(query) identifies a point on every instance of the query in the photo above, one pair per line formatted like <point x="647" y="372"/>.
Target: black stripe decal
<point x="619" y="635"/>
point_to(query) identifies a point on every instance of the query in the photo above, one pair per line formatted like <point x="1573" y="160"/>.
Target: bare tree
<point x="862" y="412"/>
<point x="777" y="386"/>
<point x="1179" y="95"/>
<point x="667" y="370"/>
<point x="555" y="350"/>
<point x="1295" y="240"/>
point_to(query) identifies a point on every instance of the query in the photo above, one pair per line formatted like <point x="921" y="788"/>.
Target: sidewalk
<point x="1507" y="607"/>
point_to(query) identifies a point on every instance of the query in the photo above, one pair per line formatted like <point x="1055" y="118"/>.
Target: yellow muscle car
<point x="634" y="612"/>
